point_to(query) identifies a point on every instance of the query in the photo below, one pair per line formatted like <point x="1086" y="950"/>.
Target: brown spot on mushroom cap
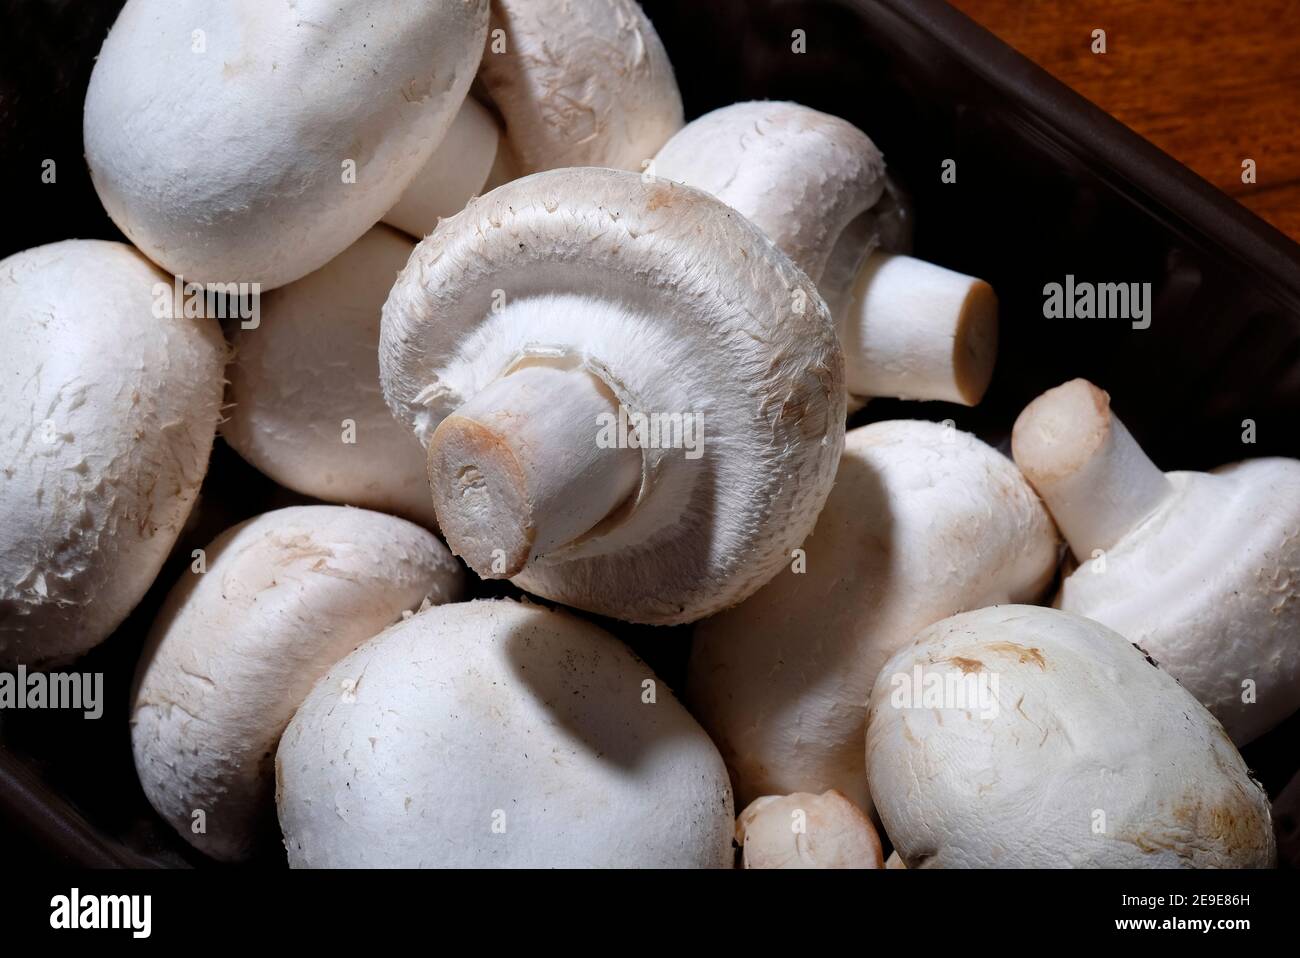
<point x="966" y="665"/>
<point x="1024" y="655"/>
<point x="661" y="196"/>
<point x="1232" y="823"/>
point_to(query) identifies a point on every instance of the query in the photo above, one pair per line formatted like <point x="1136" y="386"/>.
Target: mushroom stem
<point x="918" y="331"/>
<point x="1094" y="477"/>
<point x="517" y="471"/>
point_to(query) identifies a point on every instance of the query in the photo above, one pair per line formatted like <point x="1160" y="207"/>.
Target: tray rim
<point x="1202" y="215"/>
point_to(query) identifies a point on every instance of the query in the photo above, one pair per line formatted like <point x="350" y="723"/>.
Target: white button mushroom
<point x="580" y="83"/>
<point x="1023" y="737"/>
<point x="470" y="158"/>
<point x="924" y="521"/>
<point x="246" y="141"/>
<point x="107" y="414"/>
<point x="815" y="184"/>
<point x="807" y="831"/>
<point x="525" y="327"/>
<point x="236" y="649"/>
<point x="1202" y="570"/>
<point x="305" y="403"/>
<point x="499" y="734"/>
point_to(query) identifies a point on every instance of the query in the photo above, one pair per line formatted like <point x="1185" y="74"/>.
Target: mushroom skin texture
<point x="236" y="649"/>
<point x="924" y="521"/>
<point x="1198" y="569"/>
<point x="807" y="831"/>
<point x="463" y="166"/>
<point x="1083" y="755"/>
<point x="580" y="83"/>
<point x="498" y="734"/>
<point x="568" y="296"/>
<point x="307" y="377"/>
<point x="107" y="415"/>
<point x="801" y="175"/>
<point x="219" y="132"/>
<point x="816" y="185"/>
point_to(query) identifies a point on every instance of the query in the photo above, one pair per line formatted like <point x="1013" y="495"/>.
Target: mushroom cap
<point x="816" y="184"/>
<point x="236" y="649"/>
<point x="1207" y="586"/>
<point x="923" y="521"/>
<point x="679" y="305"/>
<point x="499" y="734"/>
<point x="807" y="831"/>
<point x="107" y="414"/>
<point x="311" y="364"/>
<point x="458" y="171"/>
<point x="1082" y="755"/>
<point x="581" y="83"/>
<point x="801" y="175"/>
<point x="227" y="163"/>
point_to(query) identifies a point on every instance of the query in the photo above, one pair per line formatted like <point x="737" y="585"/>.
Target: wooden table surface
<point x="1211" y="82"/>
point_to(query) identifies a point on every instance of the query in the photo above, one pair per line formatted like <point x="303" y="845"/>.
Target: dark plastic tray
<point x="1047" y="185"/>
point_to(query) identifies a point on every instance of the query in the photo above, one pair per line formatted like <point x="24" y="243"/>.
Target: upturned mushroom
<point x="236" y="648"/>
<point x="924" y="521"/>
<point x="632" y="401"/>
<point x="1024" y="737"/>
<point x="817" y="185"/>
<point x="499" y="734"/>
<point x="807" y="831"/>
<point x="1199" y="569"/>
<point x="580" y="83"/>
<point x="305" y="405"/>
<point x="252" y="142"/>
<point x="108" y="407"/>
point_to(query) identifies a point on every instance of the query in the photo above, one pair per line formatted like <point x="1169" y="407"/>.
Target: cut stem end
<point x="1093" y="476"/>
<point x="517" y="472"/>
<point x="914" y="330"/>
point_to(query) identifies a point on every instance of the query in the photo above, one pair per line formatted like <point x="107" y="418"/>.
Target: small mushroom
<point x="305" y="404"/>
<point x="107" y="413"/>
<point x="632" y="401"/>
<point x="253" y="142"/>
<point x="471" y="160"/>
<point x="1023" y="737"/>
<point x="499" y="734"/>
<point x="580" y="83"/>
<point x="1199" y="569"/>
<point x="807" y="831"/>
<point x="924" y="520"/>
<point x="816" y="184"/>
<point x="236" y="649"/>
